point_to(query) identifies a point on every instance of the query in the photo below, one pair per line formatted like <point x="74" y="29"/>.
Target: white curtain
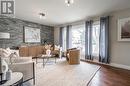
<point x="64" y="39"/>
<point x="78" y="38"/>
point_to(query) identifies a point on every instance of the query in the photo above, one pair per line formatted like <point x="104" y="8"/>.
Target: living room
<point x="64" y="43"/>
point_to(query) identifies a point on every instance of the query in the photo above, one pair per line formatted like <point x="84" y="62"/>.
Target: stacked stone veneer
<point x="16" y="29"/>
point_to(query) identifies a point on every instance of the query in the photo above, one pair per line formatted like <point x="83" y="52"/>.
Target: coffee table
<point x="47" y="57"/>
<point x="43" y="57"/>
<point x="16" y="80"/>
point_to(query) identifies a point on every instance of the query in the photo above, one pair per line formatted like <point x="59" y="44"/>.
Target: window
<point x="95" y="39"/>
<point x="78" y="38"/>
<point x="64" y="39"/>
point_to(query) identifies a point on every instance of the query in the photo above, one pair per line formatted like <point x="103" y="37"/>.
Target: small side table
<point x="16" y="80"/>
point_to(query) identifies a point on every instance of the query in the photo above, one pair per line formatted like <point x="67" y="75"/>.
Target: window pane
<point x="78" y="38"/>
<point x="95" y="40"/>
<point x="64" y="39"/>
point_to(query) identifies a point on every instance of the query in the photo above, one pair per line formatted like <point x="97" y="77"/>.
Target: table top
<point x="15" y="77"/>
<point x="44" y="55"/>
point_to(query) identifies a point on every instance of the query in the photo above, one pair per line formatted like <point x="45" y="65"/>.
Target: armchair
<point x="73" y="56"/>
<point x="27" y="68"/>
<point x="19" y="64"/>
<point x="24" y="65"/>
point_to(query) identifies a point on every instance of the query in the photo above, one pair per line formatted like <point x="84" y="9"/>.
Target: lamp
<point x="68" y="2"/>
<point x="3" y="65"/>
<point x="42" y="16"/>
<point x="3" y="70"/>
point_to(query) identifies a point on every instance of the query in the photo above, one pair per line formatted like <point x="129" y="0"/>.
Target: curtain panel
<point x="104" y="40"/>
<point x="88" y="40"/>
<point x="61" y="37"/>
<point x="68" y="36"/>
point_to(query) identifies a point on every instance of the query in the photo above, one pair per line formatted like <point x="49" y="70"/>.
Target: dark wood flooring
<point x="111" y="76"/>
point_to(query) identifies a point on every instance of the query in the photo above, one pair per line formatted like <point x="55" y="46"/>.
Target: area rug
<point x="63" y="74"/>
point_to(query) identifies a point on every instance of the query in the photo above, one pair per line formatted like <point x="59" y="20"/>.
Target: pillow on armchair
<point x="4" y="53"/>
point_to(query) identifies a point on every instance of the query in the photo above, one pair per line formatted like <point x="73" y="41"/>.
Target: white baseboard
<point x="120" y="66"/>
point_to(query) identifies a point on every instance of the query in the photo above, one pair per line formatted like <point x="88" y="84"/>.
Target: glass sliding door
<point x="78" y="38"/>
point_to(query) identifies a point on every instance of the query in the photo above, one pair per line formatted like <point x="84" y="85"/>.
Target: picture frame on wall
<point x="124" y="29"/>
<point x="32" y="35"/>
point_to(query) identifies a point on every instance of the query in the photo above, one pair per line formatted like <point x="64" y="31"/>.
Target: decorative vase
<point x="48" y="52"/>
<point x="3" y="68"/>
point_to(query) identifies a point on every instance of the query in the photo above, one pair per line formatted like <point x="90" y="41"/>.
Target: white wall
<point x="119" y="51"/>
<point x="56" y="35"/>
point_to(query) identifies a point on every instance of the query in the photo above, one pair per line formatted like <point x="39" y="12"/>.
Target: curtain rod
<point x="83" y="21"/>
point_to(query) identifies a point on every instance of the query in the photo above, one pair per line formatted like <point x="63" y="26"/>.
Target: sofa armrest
<point x="27" y="68"/>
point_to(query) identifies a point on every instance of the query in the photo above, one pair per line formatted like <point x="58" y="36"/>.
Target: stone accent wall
<point x="16" y="29"/>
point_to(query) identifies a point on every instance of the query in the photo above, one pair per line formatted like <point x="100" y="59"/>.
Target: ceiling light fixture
<point x="69" y="2"/>
<point x="42" y="16"/>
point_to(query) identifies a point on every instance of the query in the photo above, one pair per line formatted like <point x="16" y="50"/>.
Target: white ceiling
<point x="58" y="13"/>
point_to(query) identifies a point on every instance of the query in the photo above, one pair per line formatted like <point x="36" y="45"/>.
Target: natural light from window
<point x="95" y="40"/>
<point x="78" y="38"/>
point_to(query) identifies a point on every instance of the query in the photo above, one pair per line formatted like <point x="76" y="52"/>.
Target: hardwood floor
<point x="111" y="76"/>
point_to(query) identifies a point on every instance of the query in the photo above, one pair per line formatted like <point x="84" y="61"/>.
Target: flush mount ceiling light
<point x="42" y="16"/>
<point x="69" y="2"/>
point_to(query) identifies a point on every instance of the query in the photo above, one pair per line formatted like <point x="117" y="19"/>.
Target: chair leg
<point x="34" y="74"/>
<point x="34" y="81"/>
<point x="43" y="62"/>
<point x="55" y="59"/>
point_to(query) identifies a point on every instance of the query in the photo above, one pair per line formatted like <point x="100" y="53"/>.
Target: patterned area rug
<point x="63" y="74"/>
